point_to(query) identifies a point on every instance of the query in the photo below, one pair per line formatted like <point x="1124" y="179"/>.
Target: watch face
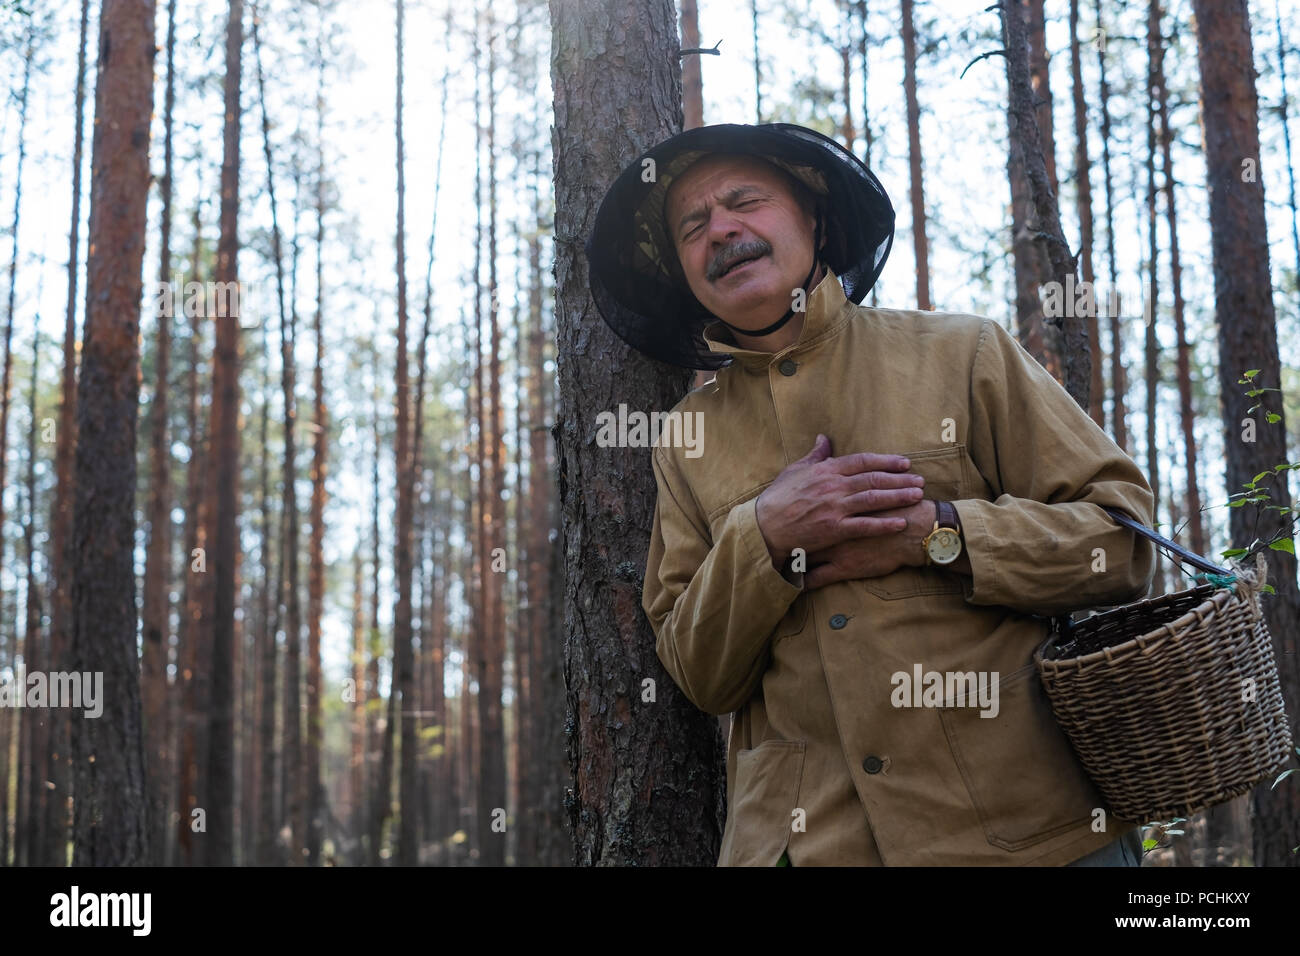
<point x="944" y="546"/>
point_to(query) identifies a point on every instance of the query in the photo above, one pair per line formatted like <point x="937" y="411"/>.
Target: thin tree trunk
<point x="291" y="766"/>
<point x="1186" y="413"/>
<point x="1283" y="114"/>
<point x="403" y="663"/>
<point x="1118" y="375"/>
<point x="111" y="815"/>
<point x="381" y="745"/>
<point x="758" y="64"/>
<point x="35" y="720"/>
<point x="1083" y="189"/>
<point x="55" y="852"/>
<point x="919" y="243"/>
<point x="1152" y="345"/>
<point x="156" y="623"/>
<point x="5" y="388"/>
<point x="692" y="75"/>
<point x="265" y="827"/>
<point x="861" y="7"/>
<point x="494" y="649"/>
<point x="1076" y="356"/>
<point x="225" y="471"/>
<point x="847" y="132"/>
<point x="316" y="571"/>
<point x="195" y="632"/>
<point x="357" y="767"/>
<point x="1243" y="305"/>
<point x="1040" y="76"/>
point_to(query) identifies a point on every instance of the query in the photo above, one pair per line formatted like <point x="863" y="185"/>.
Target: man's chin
<point x="741" y="307"/>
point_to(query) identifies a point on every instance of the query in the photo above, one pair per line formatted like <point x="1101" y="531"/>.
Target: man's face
<point x="743" y="240"/>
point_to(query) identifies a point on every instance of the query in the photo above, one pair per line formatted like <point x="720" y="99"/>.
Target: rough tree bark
<point x="1024" y="134"/>
<point x="648" y="780"/>
<point x="111" y="817"/>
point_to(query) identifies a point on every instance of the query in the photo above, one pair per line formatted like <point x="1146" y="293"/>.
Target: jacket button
<point x="838" y="621"/>
<point x="872" y="765"/>
<point x="787" y="367"/>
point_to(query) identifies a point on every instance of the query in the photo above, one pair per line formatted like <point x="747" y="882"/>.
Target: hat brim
<point x="635" y="281"/>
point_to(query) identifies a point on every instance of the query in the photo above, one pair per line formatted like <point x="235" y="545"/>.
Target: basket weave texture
<point x="1172" y="704"/>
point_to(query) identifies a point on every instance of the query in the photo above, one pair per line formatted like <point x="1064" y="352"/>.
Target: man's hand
<point x="818" y="501"/>
<point x="875" y="556"/>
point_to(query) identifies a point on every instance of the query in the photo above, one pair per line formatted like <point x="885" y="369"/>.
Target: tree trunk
<point x="1243" y="305"/>
<point x="919" y="243"/>
<point x="692" y="74"/>
<point x="403" y="663"/>
<point x="491" y="818"/>
<point x="225" y="470"/>
<point x="357" y="766"/>
<point x="265" y="817"/>
<point x="860" y="6"/>
<point x="1118" y="376"/>
<point x="1024" y="130"/>
<point x="35" y="720"/>
<point x="111" y="814"/>
<point x="758" y="63"/>
<point x="5" y="389"/>
<point x="156" y="618"/>
<point x="670" y="749"/>
<point x="316" y="570"/>
<point x="195" y="632"/>
<point x="1186" y="413"/>
<point x="55" y="852"/>
<point x="1152" y="305"/>
<point x="1083" y="188"/>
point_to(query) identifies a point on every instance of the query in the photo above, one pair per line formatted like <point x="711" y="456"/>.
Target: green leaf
<point x="1283" y="544"/>
<point x="1251" y="393"/>
<point x="1251" y="373"/>
<point x="1150" y="844"/>
<point x="1273" y="417"/>
<point x="1267" y="589"/>
<point x="1232" y="552"/>
<point x="1262" y="474"/>
<point x="1281" y="777"/>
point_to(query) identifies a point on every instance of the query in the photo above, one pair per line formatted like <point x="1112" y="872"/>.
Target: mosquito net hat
<point x="636" y="280"/>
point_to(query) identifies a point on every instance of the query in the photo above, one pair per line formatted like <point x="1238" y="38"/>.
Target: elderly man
<point x="888" y="506"/>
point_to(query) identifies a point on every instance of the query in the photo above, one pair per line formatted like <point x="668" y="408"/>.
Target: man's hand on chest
<point x="819" y="502"/>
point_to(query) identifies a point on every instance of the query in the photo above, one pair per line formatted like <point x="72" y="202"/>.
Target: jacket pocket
<point x="1024" y="780"/>
<point x="944" y="471"/>
<point x="760" y="812"/>
<point x="794" y="621"/>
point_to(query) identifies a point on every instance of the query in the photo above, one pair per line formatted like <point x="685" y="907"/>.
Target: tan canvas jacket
<point x="820" y="762"/>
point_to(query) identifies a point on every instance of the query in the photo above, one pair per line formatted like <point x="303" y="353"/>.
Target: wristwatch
<point x="943" y="545"/>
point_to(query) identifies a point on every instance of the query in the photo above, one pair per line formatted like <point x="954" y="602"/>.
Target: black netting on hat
<point x="636" y="282"/>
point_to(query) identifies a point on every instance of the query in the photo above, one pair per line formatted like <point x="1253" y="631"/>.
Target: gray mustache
<point x="741" y="250"/>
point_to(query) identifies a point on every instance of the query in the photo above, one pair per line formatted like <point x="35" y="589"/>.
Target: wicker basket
<point x="1173" y="704"/>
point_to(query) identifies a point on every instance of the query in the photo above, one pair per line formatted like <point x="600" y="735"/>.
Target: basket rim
<point x="1214" y="603"/>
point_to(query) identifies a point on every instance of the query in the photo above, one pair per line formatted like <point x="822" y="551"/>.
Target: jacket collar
<point x="825" y="316"/>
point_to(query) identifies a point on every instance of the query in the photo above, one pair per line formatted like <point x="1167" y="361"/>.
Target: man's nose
<point x="724" y="228"/>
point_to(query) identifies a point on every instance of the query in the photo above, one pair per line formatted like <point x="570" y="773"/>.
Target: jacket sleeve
<point x="714" y="605"/>
<point x="1044" y="545"/>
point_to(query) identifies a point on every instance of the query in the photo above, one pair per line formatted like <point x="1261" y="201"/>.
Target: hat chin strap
<point x="779" y="323"/>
